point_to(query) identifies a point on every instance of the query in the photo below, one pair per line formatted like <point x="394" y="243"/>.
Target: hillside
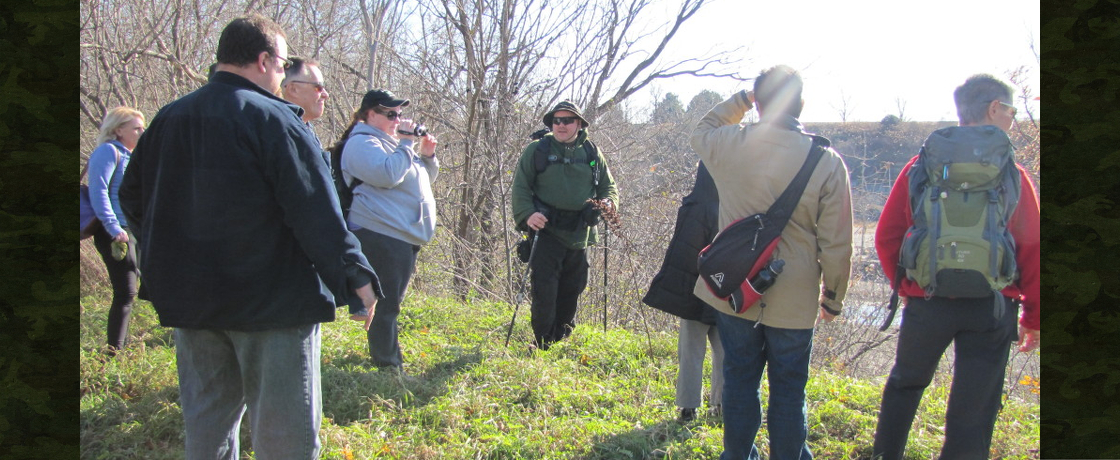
<point x="600" y="395"/>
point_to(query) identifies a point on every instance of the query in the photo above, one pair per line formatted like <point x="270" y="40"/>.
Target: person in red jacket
<point x="930" y="324"/>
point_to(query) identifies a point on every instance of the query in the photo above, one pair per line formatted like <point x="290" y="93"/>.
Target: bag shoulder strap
<point x="782" y="209"/>
<point x="116" y="154"/>
<point x="356" y="182"/>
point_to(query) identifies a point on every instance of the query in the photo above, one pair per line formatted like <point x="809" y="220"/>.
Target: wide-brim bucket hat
<point x="565" y="105"/>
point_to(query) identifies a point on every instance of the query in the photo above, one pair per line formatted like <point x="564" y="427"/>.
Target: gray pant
<point x="691" y="348"/>
<point x="275" y="373"/>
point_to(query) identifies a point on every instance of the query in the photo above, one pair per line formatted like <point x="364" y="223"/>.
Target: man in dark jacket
<point x="245" y="246"/>
<point x="553" y="202"/>
<point x="671" y="291"/>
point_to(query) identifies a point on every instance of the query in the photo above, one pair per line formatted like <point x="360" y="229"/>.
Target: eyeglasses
<point x="319" y="88"/>
<point x="285" y="62"/>
<point x="1014" y="111"/>
<point x="564" y="120"/>
<point x="392" y="114"/>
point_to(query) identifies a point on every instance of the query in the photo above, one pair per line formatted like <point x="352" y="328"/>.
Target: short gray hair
<point x="298" y="68"/>
<point x="977" y="92"/>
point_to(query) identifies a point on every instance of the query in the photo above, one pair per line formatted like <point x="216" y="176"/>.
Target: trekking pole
<point x="606" y="248"/>
<point x="524" y="282"/>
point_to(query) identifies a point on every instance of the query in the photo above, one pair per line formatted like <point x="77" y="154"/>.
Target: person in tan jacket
<point x="751" y="166"/>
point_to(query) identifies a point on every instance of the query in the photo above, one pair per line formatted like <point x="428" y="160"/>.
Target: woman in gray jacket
<point x="394" y="211"/>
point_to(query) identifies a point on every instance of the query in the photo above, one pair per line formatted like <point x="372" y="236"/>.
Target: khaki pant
<point x="692" y="344"/>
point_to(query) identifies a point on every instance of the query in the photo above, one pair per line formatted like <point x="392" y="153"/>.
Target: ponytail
<point x="336" y="149"/>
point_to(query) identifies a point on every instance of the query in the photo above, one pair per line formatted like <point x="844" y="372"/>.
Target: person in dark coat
<point x="671" y="292"/>
<point x="244" y="251"/>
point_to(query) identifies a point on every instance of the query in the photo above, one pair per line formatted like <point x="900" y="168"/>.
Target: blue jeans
<point x="784" y="353"/>
<point x="274" y="372"/>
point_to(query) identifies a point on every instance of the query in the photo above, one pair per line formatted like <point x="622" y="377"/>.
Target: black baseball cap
<point x="383" y="98"/>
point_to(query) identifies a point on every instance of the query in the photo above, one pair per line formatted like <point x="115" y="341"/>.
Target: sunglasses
<point x="286" y="62"/>
<point x="564" y="120"/>
<point x="319" y="88"/>
<point x="1014" y="111"/>
<point x="391" y="115"/>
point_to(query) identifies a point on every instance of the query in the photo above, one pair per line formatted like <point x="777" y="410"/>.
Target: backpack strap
<point x="934" y="226"/>
<point x="336" y="165"/>
<point x="543" y="158"/>
<point x="892" y="303"/>
<point x="995" y="236"/>
<point x="593" y="161"/>
<point x="117" y="165"/>
<point x="540" y="156"/>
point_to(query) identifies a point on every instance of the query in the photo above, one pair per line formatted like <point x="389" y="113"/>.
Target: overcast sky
<point x="874" y="51"/>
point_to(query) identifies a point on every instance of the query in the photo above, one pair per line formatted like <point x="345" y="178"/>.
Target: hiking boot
<point x="688" y="414"/>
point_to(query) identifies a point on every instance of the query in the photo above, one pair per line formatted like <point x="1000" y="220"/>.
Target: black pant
<point x="123" y="276"/>
<point x="981" y="345"/>
<point x="394" y="261"/>
<point x="558" y="277"/>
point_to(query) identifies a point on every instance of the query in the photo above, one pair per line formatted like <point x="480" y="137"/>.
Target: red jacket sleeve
<point x="1024" y="226"/>
<point x="893" y="223"/>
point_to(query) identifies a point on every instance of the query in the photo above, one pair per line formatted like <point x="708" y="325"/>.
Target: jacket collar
<point x="230" y="78"/>
<point x="783" y="121"/>
<point x="119" y="146"/>
<point x="581" y="137"/>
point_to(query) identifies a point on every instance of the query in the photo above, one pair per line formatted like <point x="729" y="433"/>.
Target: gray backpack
<point x="963" y="189"/>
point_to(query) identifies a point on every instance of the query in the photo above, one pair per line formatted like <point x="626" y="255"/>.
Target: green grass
<point x="598" y="395"/>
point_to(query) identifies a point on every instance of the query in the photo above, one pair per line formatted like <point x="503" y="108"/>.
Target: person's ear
<point x="992" y="112"/>
<point x="262" y="61"/>
<point x="993" y="109"/>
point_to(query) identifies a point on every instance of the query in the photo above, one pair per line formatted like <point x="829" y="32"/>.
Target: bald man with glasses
<point x="304" y="86"/>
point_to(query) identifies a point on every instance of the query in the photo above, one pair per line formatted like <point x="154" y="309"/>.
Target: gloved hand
<point x="525" y="249"/>
<point x="590" y="214"/>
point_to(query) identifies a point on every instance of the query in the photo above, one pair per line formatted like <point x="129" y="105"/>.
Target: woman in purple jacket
<point x="120" y="131"/>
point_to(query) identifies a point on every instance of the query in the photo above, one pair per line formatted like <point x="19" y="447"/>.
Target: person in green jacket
<point x="551" y="193"/>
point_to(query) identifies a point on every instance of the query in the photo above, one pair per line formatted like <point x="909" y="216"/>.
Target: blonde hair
<point x="113" y="120"/>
